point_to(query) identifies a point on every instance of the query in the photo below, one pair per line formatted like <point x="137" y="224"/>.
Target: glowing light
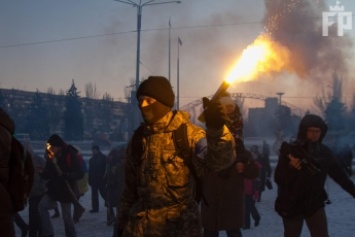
<point x="263" y="56"/>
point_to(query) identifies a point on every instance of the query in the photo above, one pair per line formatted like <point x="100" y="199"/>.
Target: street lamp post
<point x="140" y="6"/>
<point x="139" y="24"/>
<point x="280" y="94"/>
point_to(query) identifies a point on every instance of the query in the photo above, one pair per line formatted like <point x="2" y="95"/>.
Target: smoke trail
<point x="297" y="24"/>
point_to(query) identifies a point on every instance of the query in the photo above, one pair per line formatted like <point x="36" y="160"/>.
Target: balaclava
<point x="234" y="120"/>
<point x="158" y="88"/>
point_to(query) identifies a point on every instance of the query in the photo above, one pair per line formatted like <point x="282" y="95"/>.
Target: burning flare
<point x="263" y="56"/>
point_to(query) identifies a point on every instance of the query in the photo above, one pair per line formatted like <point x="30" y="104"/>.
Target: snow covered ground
<point x="340" y="213"/>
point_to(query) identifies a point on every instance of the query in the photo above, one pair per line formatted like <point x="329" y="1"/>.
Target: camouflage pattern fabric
<point x="158" y="199"/>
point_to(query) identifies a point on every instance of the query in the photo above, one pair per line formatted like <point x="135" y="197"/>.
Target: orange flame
<point x="261" y="57"/>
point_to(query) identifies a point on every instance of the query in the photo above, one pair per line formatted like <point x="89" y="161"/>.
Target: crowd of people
<point x="177" y="179"/>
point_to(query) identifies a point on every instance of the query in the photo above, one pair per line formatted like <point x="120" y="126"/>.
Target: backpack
<point x="83" y="182"/>
<point x="76" y="156"/>
<point x="181" y="143"/>
<point x="21" y="172"/>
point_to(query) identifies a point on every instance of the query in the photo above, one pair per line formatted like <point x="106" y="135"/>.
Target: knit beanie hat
<point x="159" y="88"/>
<point x="55" y="140"/>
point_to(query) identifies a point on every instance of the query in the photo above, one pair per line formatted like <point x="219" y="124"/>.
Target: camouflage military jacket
<point x="158" y="199"/>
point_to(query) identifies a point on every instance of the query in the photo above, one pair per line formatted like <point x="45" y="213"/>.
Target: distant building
<point x="16" y="103"/>
<point x="270" y="119"/>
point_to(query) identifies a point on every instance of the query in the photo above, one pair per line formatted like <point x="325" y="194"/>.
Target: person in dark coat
<point x="38" y="190"/>
<point x="7" y="128"/>
<point x="300" y="177"/>
<point x="343" y="153"/>
<point x="114" y="180"/>
<point x="222" y="205"/>
<point x="251" y="194"/>
<point x="97" y="168"/>
<point x="63" y="168"/>
<point x="265" y="152"/>
<point x="264" y="171"/>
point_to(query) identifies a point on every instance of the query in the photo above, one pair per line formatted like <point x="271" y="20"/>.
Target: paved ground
<point x="341" y="214"/>
<point x="90" y="225"/>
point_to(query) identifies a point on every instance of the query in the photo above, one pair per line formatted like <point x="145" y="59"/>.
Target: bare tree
<point x="51" y="91"/>
<point x="107" y="97"/>
<point x="61" y="92"/>
<point x="91" y="91"/>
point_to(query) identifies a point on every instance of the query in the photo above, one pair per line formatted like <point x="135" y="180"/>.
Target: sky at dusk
<point x="46" y="44"/>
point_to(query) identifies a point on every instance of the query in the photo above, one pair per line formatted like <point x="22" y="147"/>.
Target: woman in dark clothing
<point x="300" y="175"/>
<point x="264" y="171"/>
<point x="222" y="206"/>
<point x="251" y="193"/>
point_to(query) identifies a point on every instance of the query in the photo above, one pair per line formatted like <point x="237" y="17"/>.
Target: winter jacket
<point x="114" y="175"/>
<point x="39" y="185"/>
<point x="63" y="188"/>
<point x="223" y="205"/>
<point x="7" y="128"/>
<point x="158" y="199"/>
<point x="82" y="183"/>
<point x="97" y="168"/>
<point x="301" y="192"/>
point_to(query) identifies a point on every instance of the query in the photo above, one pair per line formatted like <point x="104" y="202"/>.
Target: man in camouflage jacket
<point x="159" y="194"/>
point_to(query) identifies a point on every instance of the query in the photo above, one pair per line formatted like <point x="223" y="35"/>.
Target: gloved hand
<point x="214" y="115"/>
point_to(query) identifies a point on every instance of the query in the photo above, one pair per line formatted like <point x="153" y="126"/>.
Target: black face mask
<point x="153" y="112"/>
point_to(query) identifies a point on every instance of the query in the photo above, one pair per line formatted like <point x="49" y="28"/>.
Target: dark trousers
<point x="7" y="224"/>
<point x="34" y="219"/>
<point x="95" y="197"/>
<point x="250" y="209"/>
<point x="317" y="225"/>
<point x="230" y="233"/>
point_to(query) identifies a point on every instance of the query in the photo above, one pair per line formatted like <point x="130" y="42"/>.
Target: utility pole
<point x="169" y="47"/>
<point x="140" y="6"/>
<point x="178" y="75"/>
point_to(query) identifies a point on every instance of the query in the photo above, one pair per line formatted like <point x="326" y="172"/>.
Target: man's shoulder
<point x="5" y="135"/>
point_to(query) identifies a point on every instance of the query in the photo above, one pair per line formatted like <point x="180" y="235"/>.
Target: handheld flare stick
<point x="220" y="91"/>
<point x="256" y="58"/>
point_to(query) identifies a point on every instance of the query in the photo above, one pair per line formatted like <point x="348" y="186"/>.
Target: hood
<point x="6" y="121"/>
<point x="311" y="120"/>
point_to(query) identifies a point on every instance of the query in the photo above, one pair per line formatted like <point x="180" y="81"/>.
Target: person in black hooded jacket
<point x="63" y="168"/>
<point x="300" y="176"/>
<point x="7" y="129"/>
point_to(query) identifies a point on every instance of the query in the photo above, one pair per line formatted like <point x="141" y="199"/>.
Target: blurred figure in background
<point x="264" y="170"/>
<point x="63" y="168"/>
<point x="38" y="190"/>
<point x="343" y="153"/>
<point x="251" y="195"/>
<point x="114" y="180"/>
<point x="97" y="168"/>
